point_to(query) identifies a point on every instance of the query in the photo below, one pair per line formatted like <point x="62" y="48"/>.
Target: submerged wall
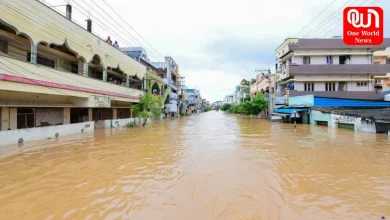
<point x="38" y="133"/>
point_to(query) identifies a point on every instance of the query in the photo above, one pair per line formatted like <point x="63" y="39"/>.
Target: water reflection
<point x="207" y="166"/>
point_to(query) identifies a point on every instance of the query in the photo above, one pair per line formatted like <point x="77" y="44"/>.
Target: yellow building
<point x="54" y="72"/>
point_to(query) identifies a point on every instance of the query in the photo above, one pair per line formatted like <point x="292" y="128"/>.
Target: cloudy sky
<point x="215" y="42"/>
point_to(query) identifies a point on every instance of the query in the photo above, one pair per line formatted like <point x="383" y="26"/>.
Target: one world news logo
<point x="363" y="26"/>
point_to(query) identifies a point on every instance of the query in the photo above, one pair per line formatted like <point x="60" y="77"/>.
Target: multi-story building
<point x="170" y="71"/>
<point x="194" y="100"/>
<point x="328" y="73"/>
<point x="262" y="84"/>
<point x="327" y="66"/>
<point x="54" y="72"/>
<point x="153" y="81"/>
<point x="228" y="99"/>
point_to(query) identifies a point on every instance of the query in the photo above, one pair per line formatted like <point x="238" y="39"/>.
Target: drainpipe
<point x="89" y="25"/>
<point x="69" y="12"/>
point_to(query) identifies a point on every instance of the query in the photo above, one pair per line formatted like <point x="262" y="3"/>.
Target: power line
<point x="315" y="17"/>
<point x="118" y="35"/>
<point x="131" y="27"/>
<point x="329" y="18"/>
<point x="43" y="29"/>
<point x="338" y="21"/>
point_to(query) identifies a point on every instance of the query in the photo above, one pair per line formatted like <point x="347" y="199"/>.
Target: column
<point x="90" y="114"/>
<point x="4" y="118"/>
<point x="104" y="74"/>
<point x="85" y="69"/>
<point x="34" y="53"/>
<point x="114" y="113"/>
<point x="127" y="80"/>
<point x="66" y="116"/>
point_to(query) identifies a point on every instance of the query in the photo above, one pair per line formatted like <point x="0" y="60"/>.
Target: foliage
<point x="254" y="107"/>
<point x="130" y="124"/>
<point x="149" y="106"/>
<point x="226" y="107"/>
<point x="207" y="109"/>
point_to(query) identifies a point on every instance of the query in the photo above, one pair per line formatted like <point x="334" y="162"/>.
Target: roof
<point x="370" y="114"/>
<point x="289" y="110"/>
<point x="332" y="43"/>
<point x="340" y="69"/>
<point x="133" y="49"/>
<point x="334" y="102"/>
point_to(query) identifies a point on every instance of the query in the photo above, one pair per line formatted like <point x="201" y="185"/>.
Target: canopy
<point x="289" y="110"/>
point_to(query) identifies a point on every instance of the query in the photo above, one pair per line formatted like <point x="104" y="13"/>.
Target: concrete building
<point x="327" y="73"/>
<point x="308" y="66"/>
<point x="170" y="73"/>
<point x="55" y="73"/>
<point x="194" y="100"/>
<point x="228" y="99"/>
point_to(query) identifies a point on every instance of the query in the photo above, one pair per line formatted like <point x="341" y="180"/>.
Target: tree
<point x="226" y="107"/>
<point x="149" y="106"/>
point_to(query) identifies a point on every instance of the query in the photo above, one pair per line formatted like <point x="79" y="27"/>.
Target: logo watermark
<point x="363" y="26"/>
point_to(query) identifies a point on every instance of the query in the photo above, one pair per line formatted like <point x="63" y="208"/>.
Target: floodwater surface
<point x="208" y="166"/>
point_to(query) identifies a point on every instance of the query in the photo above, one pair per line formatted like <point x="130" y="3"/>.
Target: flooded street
<point x="208" y="166"/>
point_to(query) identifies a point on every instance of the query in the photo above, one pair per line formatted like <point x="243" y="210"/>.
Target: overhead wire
<point x="320" y="26"/>
<point x="315" y="18"/>
<point x="340" y="23"/>
<point x="131" y="36"/>
<point x="43" y="29"/>
<point x="131" y="27"/>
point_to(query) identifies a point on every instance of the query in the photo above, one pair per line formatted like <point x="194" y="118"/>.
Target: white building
<point x="316" y="66"/>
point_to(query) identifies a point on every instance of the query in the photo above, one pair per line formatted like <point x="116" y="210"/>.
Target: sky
<point x="216" y="43"/>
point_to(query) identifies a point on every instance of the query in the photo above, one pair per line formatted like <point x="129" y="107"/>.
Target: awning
<point x="289" y="110"/>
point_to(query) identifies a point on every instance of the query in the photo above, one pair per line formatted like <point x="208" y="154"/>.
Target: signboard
<point x="100" y="101"/>
<point x="344" y="119"/>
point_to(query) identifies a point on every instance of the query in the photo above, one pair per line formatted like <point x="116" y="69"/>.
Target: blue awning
<point x="289" y="110"/>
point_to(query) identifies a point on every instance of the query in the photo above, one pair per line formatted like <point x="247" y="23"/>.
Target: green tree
<point x="149" y="106"/>
<point x="226" y="107"/>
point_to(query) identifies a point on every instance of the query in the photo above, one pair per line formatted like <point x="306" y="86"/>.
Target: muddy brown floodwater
<point x="207" y="166"/>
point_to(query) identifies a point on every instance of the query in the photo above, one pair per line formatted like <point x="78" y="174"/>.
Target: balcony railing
<point x="378" y="69"/>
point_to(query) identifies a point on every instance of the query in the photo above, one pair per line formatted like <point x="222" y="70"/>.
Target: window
<point x="306" y="60"/>
<point x="329" y="59"/>
<point x="342" y="86"/>
<point x="25" y="118"/>
<point x="309" y="86"/>
<point x="42" y="61"/>
<point x="344" y="59"/>
<point x="75" y="68"/>
<point x="361" y="84"/>
<point x="3" y="46"/>
<point x="330" y="86"/>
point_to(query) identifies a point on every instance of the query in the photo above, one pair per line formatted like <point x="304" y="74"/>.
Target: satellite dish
<point x="165" y="81"/>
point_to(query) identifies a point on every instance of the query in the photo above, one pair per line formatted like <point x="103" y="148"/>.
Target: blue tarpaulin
<point x="289" y="110"/>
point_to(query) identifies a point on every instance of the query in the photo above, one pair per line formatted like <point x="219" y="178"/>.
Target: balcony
<point x="20" y="76"/>
<point x="374" y="69"/>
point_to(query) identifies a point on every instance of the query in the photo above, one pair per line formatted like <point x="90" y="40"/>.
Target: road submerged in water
<point x="208" y="166"/>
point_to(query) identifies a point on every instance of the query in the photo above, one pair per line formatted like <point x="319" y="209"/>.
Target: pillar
<point x="85" y="69"/>
<point x="34" y="52"/>
<point x="127" y="81"/>
<point x="9" y="118"/>
<point x="114" y="113"/>
<point x="66" y="116"/>
<point x="104" y="74"/>
<point x="90" y="114"/>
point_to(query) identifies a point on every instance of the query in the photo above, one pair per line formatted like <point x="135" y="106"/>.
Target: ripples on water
<point x="207" y="166"/>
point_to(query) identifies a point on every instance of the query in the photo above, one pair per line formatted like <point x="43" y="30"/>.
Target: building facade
<point x="54" y="72"/>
